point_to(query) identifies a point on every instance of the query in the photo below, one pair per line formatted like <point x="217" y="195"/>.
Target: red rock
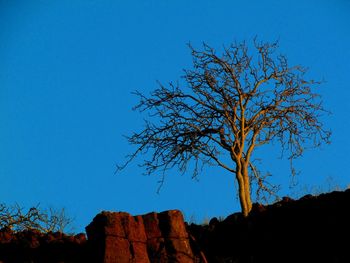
<point x="172" y="224"/>
<point x="177" y="242"/>
<point x="117" y="250"/>
<point x="121" y="238"/>
<point x="151" y="223"/>
<point x="80" y="238"/>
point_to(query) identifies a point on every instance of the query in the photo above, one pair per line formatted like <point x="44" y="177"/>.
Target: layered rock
<point x="118" y="237"/>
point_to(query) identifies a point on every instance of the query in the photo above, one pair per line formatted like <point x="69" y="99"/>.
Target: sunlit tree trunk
<point x="247" y="188"/>
<point x="243" y="186"/>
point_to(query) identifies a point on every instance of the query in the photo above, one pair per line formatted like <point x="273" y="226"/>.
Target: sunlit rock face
<point x="113" y="237"/>
<point x="118" y="237"/>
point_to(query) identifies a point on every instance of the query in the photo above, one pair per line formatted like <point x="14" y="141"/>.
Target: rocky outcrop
<point x="118" y="237"/>
<point x="113" y="237"/>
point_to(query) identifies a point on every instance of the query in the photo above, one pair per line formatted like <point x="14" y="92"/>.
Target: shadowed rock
<point x="311" y="229"/>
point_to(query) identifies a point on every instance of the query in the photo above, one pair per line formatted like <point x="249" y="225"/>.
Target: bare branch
<point x="18" y="219"/>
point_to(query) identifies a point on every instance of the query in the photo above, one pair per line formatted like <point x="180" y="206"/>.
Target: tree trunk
<point x="243" y="187"/>
<point x="247" y="188"/>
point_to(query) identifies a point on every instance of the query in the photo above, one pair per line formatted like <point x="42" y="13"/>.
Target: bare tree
<point x="18" y="219"/>
<point x="229" y="105"/>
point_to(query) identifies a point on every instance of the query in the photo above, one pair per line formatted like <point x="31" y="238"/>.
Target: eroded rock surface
<point x="118" y="237"/>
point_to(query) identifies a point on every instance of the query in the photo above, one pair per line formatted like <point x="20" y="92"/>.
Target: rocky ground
<point x="311" y="229"/>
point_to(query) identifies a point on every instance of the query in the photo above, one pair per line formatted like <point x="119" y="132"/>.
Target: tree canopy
<point x="227" y="106"/>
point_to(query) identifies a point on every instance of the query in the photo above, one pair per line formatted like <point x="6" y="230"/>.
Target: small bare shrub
<point x="19" y="219"/>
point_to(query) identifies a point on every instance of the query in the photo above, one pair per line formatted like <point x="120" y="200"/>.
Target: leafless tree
<point x="18" y="219"/>
<point x="227" y="106"/>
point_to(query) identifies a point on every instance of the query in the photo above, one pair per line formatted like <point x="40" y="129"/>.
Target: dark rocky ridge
<point x="34" y="246"/>
<point x="311" y="229"/>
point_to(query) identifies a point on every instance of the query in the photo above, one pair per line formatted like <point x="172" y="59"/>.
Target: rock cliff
<point x="122" y="238"/>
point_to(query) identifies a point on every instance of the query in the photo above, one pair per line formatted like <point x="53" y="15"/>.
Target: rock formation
<point x="118" y="237"/>
<point x="311" y="229"/>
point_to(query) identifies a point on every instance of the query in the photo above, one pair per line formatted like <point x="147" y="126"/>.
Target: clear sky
<point x="67" y="70"/>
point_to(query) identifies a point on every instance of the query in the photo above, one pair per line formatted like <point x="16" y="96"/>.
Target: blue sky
<point x="67" y="70"/>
